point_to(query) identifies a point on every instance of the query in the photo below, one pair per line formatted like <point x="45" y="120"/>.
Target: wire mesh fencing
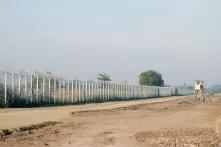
<point x="22" y="89"/>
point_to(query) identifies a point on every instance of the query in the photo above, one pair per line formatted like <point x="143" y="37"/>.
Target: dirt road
<point x="176" y="123"/>
<point x="13" y="118"/>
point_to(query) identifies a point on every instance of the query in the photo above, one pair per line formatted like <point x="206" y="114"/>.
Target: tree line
<point x="148" y="78"/>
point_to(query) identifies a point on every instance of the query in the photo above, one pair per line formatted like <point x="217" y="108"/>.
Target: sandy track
<point x="181" y="122"/>
<point x="13" y="118"/>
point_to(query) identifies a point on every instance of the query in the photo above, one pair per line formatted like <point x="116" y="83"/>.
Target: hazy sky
<point x="179" y="38"/>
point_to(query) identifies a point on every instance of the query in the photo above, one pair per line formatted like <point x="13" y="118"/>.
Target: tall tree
<point x="103" y="77"/>
<point x="151" y="78"/>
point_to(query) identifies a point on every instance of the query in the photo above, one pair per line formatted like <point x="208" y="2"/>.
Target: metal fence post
<point x="108" y="90"/>
<point x="64" y="99"/>
<point x="49" y="88"/>
<point x="59" y="89"/>
<point x="79" y="90"/>
<point x="25" y="86"/>
<point x="55" y="90"/>
<point x="103" y="90"/>
<point x="92" y="90"/>
<point x="37" y="87"/>
<point x="43" y="87"/>
<point x="86" y="90"/>
<point x="83" y="90"/>
<point x="72" y="90"/>
<point x="13" y="84"/>
<point x="5" y="87"/>
<point x="68" y="93"/>
<point x="76" y="90"/>
<point x="19" y="84"/>
<point x="31" y="86"/>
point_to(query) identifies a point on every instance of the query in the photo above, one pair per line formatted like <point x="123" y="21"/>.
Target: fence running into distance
<point x="25" y="89"/>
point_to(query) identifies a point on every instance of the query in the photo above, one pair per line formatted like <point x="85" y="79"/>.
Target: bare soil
<point x="176" y="123"/>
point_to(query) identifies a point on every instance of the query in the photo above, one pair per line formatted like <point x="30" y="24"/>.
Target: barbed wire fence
<point x="26" y="89"/>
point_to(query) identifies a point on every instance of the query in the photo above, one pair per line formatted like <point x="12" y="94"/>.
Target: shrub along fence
<point x="23" y="89"/>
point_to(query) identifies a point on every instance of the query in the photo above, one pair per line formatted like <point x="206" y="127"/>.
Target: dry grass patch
<point x="6" y="132"/>
<point x="204" y="137"/>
